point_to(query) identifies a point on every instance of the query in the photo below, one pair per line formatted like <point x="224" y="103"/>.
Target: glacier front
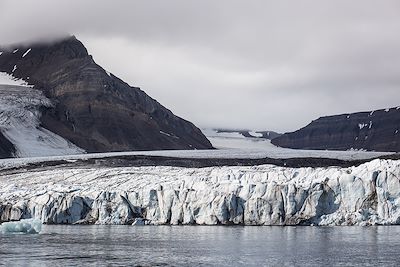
<point x="367" y="194"/>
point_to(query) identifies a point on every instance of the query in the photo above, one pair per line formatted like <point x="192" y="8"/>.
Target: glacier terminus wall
<point x="367" y="194"/>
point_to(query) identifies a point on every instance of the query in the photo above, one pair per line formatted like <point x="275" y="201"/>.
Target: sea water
<point x="101" y="245"/>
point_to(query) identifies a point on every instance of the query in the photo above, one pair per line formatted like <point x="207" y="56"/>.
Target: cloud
<point x="253" y="64"/>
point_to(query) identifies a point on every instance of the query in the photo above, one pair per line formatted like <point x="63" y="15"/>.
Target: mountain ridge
<point x="377" y="130"/>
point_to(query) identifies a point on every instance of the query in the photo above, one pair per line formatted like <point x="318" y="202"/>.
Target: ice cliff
<point x="259" y="195"/>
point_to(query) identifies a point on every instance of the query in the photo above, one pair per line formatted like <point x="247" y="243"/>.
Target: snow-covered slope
<point x="259" y="195"/>
<point x="19" y="121"/>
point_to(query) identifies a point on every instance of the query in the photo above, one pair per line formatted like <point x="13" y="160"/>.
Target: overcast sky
<point x="272" y="65"/>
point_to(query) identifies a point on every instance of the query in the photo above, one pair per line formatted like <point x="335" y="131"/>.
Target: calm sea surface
<point x="202" y="246"/>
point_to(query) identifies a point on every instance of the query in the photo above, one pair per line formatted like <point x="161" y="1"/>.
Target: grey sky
<point x="242" y="64"/>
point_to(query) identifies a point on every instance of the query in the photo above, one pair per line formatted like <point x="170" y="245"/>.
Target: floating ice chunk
<point x="370" y="125"/>
<point x="108" y="73"/>
<point x="396" y="132"/>
<point x="27" y="52"/>
<point x="372" y="112"/>
<point x="1" y="53"/>
<point x="15" y="51"/>
<point x="15" y="68"/>
<point x="348" y="116"/>
<point x="387" y="110"/>
<point x="26" y="226"/>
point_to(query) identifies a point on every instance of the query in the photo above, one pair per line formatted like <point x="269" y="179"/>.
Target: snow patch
<point x="27" y="52"/>
<point x="8" y="79"/>
<point x="217" y="134"/>
<point x="362" y="125"/>
<point x="164" y="133"/>
<point x="169" y="135"/>
<point x="255" y="134"/>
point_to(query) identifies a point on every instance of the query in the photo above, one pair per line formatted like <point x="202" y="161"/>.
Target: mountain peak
<point x="60" y="43"/>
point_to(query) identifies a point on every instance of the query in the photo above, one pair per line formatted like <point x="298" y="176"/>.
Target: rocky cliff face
<point x="377" y="130"/>
<point x="94" y="109"/>
<point x="6" y="147"/>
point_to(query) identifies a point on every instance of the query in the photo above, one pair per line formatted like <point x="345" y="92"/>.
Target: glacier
<point x="20" y="113"/>
<point x="368" y="194"/>
<point x="228" y="146"/>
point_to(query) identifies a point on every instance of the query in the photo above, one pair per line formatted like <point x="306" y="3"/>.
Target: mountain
<point x="6" y="147"/>
<point x="92" y="108"/>
<point x="377" y="130"/>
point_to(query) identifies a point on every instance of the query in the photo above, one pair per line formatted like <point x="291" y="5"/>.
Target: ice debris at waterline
<point x="24" y="226"/>
<point x="368" y="194"/>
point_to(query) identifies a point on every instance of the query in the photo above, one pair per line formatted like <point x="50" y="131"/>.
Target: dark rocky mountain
<point x="378" y="130"/>
<point x="6" y="147"/>
<point x="94" y="109"/>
